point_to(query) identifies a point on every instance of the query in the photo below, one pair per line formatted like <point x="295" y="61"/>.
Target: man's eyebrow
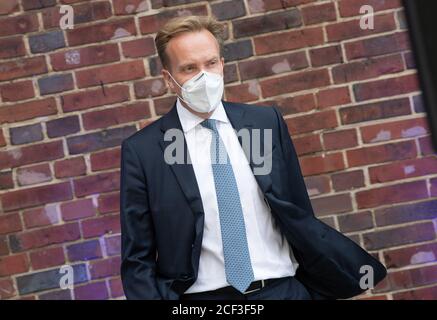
<point x="193" y="63"/>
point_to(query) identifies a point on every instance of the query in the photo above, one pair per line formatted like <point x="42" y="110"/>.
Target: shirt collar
<point x="189" y="120"/>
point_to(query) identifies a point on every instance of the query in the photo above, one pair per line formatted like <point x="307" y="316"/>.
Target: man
<point x="220" y="224"/>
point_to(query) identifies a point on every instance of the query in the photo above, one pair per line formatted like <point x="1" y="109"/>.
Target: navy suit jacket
<point x="162" y="215"/>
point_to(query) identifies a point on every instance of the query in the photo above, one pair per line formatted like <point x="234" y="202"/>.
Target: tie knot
<point x="210" y="124"/>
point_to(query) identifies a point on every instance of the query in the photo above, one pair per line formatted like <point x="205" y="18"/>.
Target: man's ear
<point x="167" y="79"/>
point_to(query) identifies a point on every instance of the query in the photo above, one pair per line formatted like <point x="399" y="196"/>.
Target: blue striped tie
<point x="238" y="267"/>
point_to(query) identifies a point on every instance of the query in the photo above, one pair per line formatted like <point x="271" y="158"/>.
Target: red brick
<point x="109" y="74"/>
<point x="268" y="5"/>
<point x="99" y="226"/>
<point x="307" y="144"/>
<point x="348" y="180"/>
<point x="333" y="97"/>
<point x="288" y="40"/>
<point x="37" y="4"/>
<point x="17" y="91"/>
<point x="20" y="24"/>
<point x="295" y="104"/>
<point x="34" y="174"/>
<point x="94" y="98"/>
<point x="328" y="205"/>
<point x="317" y="185"/>
<point x="12" y="47"/>
<point x="395" y="130"/>
<point x="399" y="236"/>
<point x="129" y="6"/>
<point x="392" y="194"/>
<point x="340" y="139"/>
<point x="152" y="23"/>
<point x="105" y="268"/>
<point x="321" y="164"/>
<point x="398" y="258"/>
<point x="70" y="167"/>
<point x="381" y="153"/>
<point x="104" y="160"/>
<point x="7" y="289"/>
<point x="375" y="46"/>
<point x="99" y="140"/>
<point x="355" y="221"/>
<point x="39" y="217"/>
<point x="326" y="55"/>
<point x="77" y="58"/>
<point x="91" y="291"/>
<point x="24" y="67"/>
<point x="295" y="82"/>
<point x="31" y="154"/>
<point x="351" y="29"/>
<point x="7" y="7"/>
<point x="138" y="48"/>
<point x="403" y="170"/>
<point x="429" y="293"/>
<point x="114" y="116"/>
<point x="47" y="258"/>
<point x="100" y="32"/>
<point x="350" y="8"/>
<point x="109" y="203"/>
<point x="35" y="196"/>
<point x="103" y="182"/>
<point x="426" y="146"/>
<point x="2" y="138"/>
<point x="374" y="111"/>
<point x="6" y="181"/>
<point x="44" y="237"/>
<point x="150" y="88"/>
<point x="406" y="279"/>
<point x="78" y="209"/>
<point x="367" y="69"/>
<point x="13" y="264"/>
<point x="86" y="12"/>
<point x="10" y="223"/>
<point x="406" y="212"/>
<point x="319" y="13"/>
<point x="312" y="122"/>
<point x="244" y="92"/>
<point x="262" y="67"/>
<point x="113" y="245"/>
<point x="268" y="22"/>
<point x="116" y="288"/>
<point x="163" y="105"/>
<point x="28" y="110"/>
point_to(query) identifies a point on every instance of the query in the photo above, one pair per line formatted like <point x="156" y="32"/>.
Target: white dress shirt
<point x="270" y="254"/>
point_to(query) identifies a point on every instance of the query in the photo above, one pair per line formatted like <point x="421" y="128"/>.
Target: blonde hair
<point x="178" y="25"/>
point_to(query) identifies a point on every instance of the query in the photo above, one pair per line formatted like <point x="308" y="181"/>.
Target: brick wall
<point x="68" y="98"/>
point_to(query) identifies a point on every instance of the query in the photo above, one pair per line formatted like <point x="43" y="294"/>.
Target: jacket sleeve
<point x="299" y="195"/>
<point x="138" y="248"/>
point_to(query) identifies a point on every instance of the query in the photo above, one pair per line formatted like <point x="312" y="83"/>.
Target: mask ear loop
<point x="178" y="86"/>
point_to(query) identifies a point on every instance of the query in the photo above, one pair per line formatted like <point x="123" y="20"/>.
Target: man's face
<point x="188" y="54"/>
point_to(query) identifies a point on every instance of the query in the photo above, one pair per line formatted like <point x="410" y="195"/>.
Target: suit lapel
<point x="239" y="120"/>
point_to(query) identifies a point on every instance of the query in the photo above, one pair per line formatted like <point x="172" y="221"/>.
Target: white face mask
<point x="202" y="92"/>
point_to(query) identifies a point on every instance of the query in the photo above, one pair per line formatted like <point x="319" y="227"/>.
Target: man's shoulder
<point x="262" y="113"/>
